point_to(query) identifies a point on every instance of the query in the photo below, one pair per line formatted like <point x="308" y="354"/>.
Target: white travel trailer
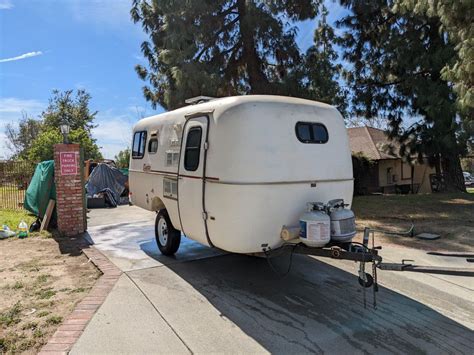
<point x="231" y="172"/>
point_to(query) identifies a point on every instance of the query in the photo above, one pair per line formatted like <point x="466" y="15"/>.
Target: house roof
<point x="371" y="142"/>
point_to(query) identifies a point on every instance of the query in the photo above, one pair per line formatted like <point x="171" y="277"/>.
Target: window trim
<point x="311" y="140"/>
<point x="143" y="135"/>
<point x="194" y="128"/>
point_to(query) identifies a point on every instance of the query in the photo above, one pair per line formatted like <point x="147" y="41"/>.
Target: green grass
<point x="41" y="279"/>
<point x="43" y="313"/>
<point x="12" y="218"/>
<point x="54" y="320"/>
<point x="11" y="316"/>
<point x="45" y="293"/>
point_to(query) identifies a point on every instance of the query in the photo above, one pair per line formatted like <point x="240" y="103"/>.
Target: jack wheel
<point x="368" y="283"/>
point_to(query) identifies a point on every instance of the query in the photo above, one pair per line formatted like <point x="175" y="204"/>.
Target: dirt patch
<point x="449" y="215"/>
<point x="41" y="281"/>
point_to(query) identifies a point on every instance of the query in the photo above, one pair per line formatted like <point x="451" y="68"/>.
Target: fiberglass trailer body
<point x="231" y="172"/>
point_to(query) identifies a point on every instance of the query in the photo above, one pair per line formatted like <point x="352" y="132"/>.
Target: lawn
<point x="449" y="214"/>
<point x="41" y="280"/>
<point x="12" y="218"/>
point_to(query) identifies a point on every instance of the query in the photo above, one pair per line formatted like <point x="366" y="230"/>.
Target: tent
<point x="41" y="189"/>
<point x="106" y="179"/>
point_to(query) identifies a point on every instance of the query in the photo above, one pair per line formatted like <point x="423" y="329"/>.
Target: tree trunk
<point x="453" y="173"/>
<point x="257" y="80"/>
<point x="438" y="164"/>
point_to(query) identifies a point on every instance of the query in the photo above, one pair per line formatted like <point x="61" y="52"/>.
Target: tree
<point x="43" y="147"/>
<point x="321" y="67"/>
<point x="122" y="159"/>
<point x="19" y="139"/>
<point x="34" y="138"/>
<point x="396" y="71"/>
<point x="65" y="108"/>
<point x="456" y="18"/>
<point x="220" y="47"/>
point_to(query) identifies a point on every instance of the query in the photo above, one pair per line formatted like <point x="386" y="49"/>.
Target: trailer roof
<point x="225" y="102"/>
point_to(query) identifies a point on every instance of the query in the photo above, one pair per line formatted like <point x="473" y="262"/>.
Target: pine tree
<point x="397" y="62"/>
<point x="457" y="20"/>
<point x="220" y="47"/>
<point x="322" y="67"/>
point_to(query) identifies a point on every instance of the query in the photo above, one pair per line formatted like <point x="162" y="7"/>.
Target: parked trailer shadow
<point x="316" y="308"/>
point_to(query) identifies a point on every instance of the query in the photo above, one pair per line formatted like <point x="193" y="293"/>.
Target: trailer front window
<point x="138" y="145"/>
<point x="193" y="149"/>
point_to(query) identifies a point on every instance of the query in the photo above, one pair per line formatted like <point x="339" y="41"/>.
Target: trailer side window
<point x="310" y="132"/>
<point x="138" y="145"/>
<point x="153" y="145"/>
<point x="193" y="149"/>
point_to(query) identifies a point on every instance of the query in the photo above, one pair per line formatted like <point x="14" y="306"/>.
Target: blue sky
<point x="89" y="44"/>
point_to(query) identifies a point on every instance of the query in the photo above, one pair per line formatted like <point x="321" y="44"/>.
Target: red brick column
<point x="69" y="189"/>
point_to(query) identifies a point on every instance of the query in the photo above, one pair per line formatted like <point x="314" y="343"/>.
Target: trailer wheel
<point x="167" y="237"/>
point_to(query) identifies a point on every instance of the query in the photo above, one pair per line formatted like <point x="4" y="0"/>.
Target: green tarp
<point x="41" y="189"/>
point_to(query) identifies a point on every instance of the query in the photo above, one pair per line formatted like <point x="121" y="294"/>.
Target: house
<point x="381" y="169"/>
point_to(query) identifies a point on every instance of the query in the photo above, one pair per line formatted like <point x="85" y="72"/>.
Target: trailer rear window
<point x="310" y="132"/>
<point x="193" y="149"/>
<point x="138" y="145"/>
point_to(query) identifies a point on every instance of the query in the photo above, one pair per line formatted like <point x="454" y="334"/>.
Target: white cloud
<point x="5" y="4"/>
<point x="110" y="150"/>
<point x="23" y="56"/>
<point x="114" y="130"/>
<point x="11" y="111"/>
<point x="11" y="108"/>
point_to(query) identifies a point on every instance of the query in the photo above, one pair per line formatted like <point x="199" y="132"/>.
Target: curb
<point x="73" y="326"/>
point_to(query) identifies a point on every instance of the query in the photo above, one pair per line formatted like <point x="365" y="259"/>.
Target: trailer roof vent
<point x="199" y="100"/>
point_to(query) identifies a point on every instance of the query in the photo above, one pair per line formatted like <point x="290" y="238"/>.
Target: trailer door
<point x="191" y="180"/>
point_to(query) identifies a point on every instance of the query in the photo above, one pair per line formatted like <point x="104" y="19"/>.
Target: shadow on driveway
<point x="316" y="308"/>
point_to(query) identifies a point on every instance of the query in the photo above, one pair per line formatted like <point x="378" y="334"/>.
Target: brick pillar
<point x="69" y="189"/>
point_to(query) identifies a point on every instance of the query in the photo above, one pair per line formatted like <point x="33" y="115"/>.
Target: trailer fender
<point x="157" y="204"/>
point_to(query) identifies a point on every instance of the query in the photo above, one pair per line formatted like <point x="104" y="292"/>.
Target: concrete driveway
<point x="206" y="301"/>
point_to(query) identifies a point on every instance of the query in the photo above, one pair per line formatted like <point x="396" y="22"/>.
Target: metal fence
<point x="15" y="177"/>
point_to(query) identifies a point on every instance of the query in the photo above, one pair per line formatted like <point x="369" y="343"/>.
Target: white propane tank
<point x="343" y="227"/>
<point x="315" y="225"/>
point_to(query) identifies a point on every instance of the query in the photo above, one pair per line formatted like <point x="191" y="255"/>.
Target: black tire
<point x="167" y="237"/>
<point x="368" y="283"/>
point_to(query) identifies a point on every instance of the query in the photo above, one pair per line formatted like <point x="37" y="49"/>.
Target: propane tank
<point x="315" y="225"/>
<point x="343" y="227"/>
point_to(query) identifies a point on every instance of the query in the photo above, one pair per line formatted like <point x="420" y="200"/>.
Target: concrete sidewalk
<point x="205" y="301"/>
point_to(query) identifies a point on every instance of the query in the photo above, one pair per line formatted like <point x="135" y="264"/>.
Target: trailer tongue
<point x="362" y="253"/>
